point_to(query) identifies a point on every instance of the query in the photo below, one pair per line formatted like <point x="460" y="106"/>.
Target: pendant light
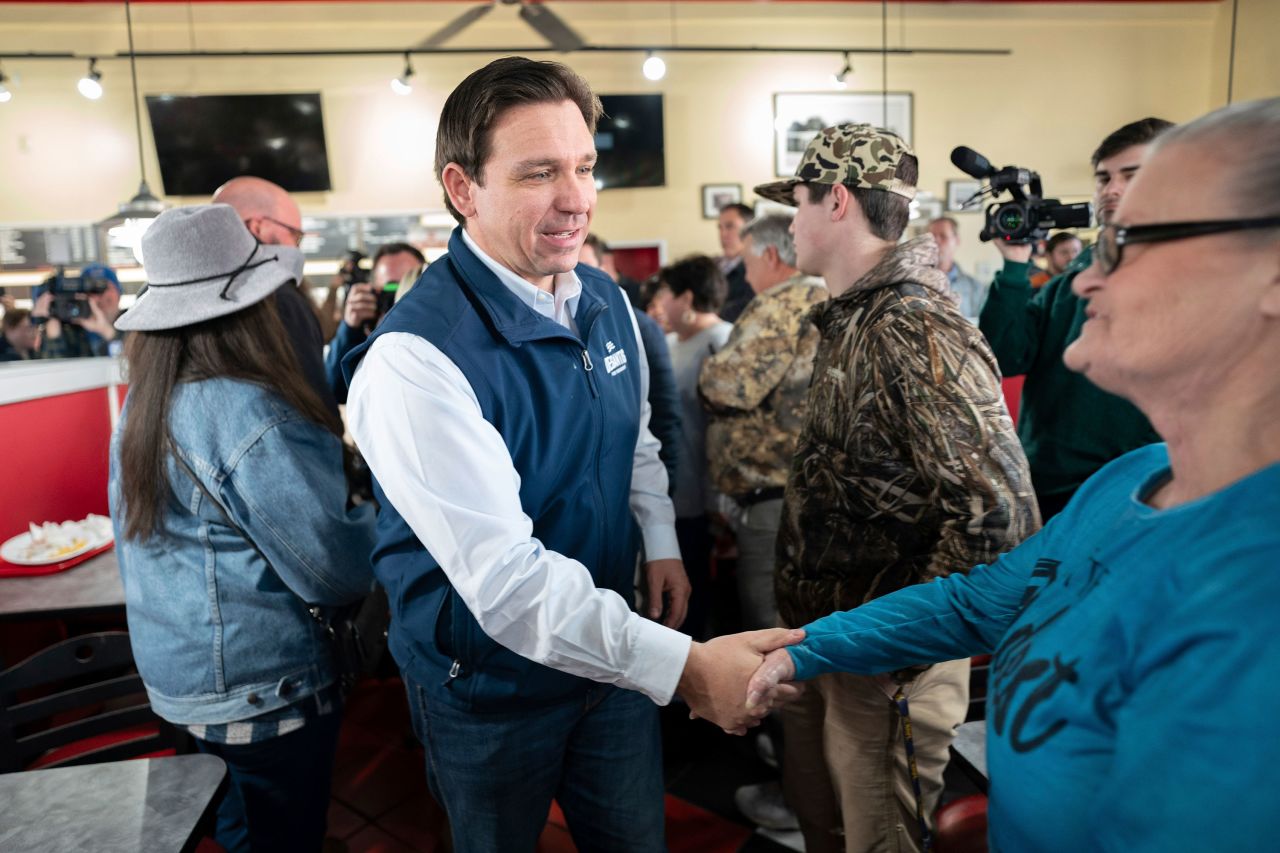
<point x="127" y="225"/>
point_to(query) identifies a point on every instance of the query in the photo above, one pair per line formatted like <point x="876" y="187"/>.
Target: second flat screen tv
<point x="202" y="141"/>
<point x="629" y="141"/>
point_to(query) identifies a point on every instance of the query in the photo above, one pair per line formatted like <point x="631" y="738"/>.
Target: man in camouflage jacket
<point x="756" y="392"/>
<point x="907" y="468"/>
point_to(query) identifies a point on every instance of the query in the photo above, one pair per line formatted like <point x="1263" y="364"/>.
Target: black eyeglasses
<point x="1113" y="238"/>
<point x="296" y="233"/>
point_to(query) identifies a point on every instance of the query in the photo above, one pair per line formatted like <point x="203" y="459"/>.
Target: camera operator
<point x="1068" y="426"/>
<point x="365" y="305"/>
<point x="78" y="315"/>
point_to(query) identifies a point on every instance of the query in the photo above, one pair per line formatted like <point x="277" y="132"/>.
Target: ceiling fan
<point x="546" y="23"/>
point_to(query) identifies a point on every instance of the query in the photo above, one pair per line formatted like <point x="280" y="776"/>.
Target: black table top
<point x="92" y="585"/>
<point x="150" y="804"/>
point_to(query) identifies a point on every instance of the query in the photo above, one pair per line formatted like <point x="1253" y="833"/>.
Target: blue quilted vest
<point x="567" y="407"/>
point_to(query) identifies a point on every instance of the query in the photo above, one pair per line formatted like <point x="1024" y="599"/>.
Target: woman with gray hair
<point x="1133" y="688"/>
<point x="229" y="503"/>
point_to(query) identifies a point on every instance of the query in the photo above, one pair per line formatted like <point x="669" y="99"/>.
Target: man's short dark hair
<point x="1058" y="239"/>
<point x="887" y="213"/>
<point x="1134" y="133"/>
<point x="474" y="107"/>
<point x="13" y="318"/>
<point x="387" y="249"/>
<point x="702" y="276"/>
<point x="599" y="246"/>
<point x="741" y="209"/>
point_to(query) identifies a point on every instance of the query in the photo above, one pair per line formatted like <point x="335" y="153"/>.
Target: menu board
<point x="37" y="247"/>
<point x="389" y="229"/>
<point x="329" y="237"/>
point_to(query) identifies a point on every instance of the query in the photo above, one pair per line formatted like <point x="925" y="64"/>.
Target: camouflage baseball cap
<point x="856" y="155"/>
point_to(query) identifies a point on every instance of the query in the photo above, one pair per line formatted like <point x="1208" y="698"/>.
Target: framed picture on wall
<point x="959" y="192"/>
<point x="798" y="116"/>
<point x="716" y="196"/>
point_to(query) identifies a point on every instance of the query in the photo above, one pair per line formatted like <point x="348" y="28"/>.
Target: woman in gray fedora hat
<point x="229" y="502"/>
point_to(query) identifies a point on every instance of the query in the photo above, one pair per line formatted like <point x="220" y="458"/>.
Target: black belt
<point x="757" y="496"/>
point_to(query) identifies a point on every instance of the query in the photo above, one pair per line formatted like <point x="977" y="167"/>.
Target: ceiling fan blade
<point x="551" y="27"/>
<point x="457" y="25"/>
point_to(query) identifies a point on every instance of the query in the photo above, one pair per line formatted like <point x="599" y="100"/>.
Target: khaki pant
<point x="844" y="767"/>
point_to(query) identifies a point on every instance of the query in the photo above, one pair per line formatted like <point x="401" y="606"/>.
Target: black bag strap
<point x="217" y="504"/>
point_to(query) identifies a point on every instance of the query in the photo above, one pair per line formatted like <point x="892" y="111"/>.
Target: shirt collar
<point x="560" y="306"/>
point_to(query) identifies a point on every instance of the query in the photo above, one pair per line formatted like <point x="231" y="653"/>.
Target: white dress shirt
<point x="447" y="471"/>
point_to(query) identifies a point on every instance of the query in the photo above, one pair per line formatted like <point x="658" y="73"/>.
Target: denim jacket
<point x="219" y="619"/>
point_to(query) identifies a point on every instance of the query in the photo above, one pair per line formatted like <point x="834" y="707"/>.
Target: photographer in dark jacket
<point x="90" y="334"/>
<point x="365" y="306"/>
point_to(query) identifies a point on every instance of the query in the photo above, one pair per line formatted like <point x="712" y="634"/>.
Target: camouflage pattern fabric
<point x="756" y="388"/>
<point x="856" y="155"/>
<point x="908" y="467"/>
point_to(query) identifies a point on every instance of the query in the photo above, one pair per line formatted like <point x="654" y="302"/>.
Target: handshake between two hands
<point x="736" y="680"/>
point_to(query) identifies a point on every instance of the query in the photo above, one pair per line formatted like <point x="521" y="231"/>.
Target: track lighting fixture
<point x="402" y="85"/>
<point x="839" y="79"/>
<point x="89" y="84"/>
<point x="654" y="68"/>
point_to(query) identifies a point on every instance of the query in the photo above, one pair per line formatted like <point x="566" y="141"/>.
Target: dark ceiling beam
<point x="399" y="51"/>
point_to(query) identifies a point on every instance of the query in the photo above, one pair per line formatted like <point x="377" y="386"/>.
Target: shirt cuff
<point x="660" y="542"/>
<point x="805" y="662"/>
<point x="657" y="660"/>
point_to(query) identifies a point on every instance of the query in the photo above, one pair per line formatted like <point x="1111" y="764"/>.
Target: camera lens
<point x="1010" y="219"/>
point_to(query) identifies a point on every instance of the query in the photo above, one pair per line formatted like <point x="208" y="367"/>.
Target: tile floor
<point x="381" y="803"/>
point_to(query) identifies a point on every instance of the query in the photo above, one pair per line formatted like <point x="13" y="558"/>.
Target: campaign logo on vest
<point x="616" y="360"/>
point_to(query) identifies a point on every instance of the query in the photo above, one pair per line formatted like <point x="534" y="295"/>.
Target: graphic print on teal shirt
<point x="1020" y="682"/>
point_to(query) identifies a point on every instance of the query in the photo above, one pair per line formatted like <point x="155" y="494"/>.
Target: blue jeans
<point x="495" y="774"/>
<point x="278" y="796"/>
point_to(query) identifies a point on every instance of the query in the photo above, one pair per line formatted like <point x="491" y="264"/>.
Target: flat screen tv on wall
<point x="203" y="141"/>
<point x="629" y="141"/>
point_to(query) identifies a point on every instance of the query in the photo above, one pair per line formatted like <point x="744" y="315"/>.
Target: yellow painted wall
<point x="1257" y="59"/>
<point x="1077" y="72"/>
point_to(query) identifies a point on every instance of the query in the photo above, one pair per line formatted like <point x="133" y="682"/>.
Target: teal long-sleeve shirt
<point x="1068" y="426"/>
<point x="1133" y="690"/>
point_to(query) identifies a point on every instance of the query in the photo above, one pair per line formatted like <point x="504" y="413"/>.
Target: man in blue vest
<point x="501" y="407"/>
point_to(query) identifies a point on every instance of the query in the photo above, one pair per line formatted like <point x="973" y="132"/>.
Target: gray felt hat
<point x="201" y="263"/>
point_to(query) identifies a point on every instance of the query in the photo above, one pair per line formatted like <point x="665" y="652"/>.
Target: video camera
<point x="71" y="295"/>
<point x="1029" y="216"/>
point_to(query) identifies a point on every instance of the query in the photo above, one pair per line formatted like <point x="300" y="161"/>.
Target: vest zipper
<point x="589" y="367"/>
<point x="454" y="672"/>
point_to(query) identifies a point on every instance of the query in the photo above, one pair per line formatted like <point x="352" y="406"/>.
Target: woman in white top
<point x="689" y="294"/>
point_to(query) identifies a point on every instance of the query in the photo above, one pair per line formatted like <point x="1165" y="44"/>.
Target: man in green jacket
<point x="1068" y="426"/>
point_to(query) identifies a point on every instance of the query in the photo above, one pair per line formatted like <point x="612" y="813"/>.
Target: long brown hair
<point x="250" y="345"/>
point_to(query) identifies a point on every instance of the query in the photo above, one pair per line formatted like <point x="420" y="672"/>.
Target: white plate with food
<point x="48" y="543"/>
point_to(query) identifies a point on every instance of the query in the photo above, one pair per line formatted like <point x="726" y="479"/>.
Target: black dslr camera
<point x="71" y="295"/>
<point x="351" y="270"/>
<point x="1029" y="216"/>
<point x="354" y="272"/>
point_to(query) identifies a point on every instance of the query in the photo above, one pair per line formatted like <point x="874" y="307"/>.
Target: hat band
<point x="230" y="276"/>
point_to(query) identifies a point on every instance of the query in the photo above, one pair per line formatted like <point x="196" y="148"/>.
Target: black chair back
<point x="80" y="701"/>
